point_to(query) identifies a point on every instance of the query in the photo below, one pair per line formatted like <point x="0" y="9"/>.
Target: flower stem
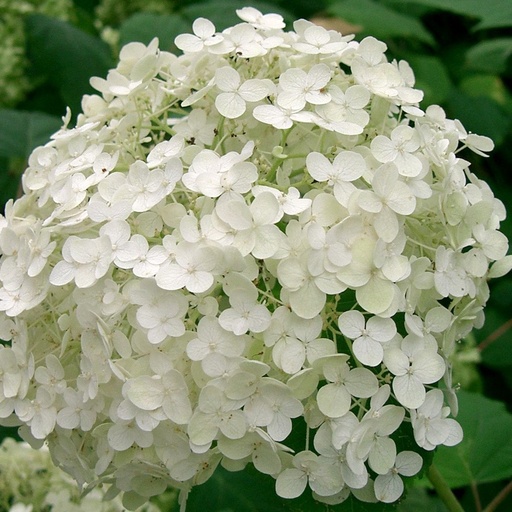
<point x="271" y="176"/>
<point x="442" y="489"/>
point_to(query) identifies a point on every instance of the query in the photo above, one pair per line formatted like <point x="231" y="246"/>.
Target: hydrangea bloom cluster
<point x="262" y="236"/>
<point x="30" y="482"/>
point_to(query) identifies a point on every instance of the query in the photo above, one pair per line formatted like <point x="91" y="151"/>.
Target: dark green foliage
<point x="66" y="56"/>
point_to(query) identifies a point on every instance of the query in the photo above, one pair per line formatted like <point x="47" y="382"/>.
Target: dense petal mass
<point x="259" y="239"/>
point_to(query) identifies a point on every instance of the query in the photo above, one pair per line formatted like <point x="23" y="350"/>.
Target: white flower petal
<point x="269" y="114"/>
<point x="351" y="324"/>
<point x="254" y="90"/>
<point x="382" y="455"/>
<point x="333" y="400"/>
<point x="368" y="351"/>
<point x="227" y="79"/>
<point x="376" y="295"/>
<point x="145" y="392"/>
<point x="230" y="105"/>
<point x="319" y="166"/>
<point x="291" y="483"/>
<point x="361" y="383"/>
<point x="408" y="463"/>
<point x="388" y="488"/>
<point x="409" y="391"/>
<point x="428" y="366"/>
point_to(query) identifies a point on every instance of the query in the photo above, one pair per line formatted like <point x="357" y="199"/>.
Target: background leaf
<point x="251" y="491"/>
<point x="354" y="505"/>
<point x="21" y="132"/>
<point x="246" y="490"/>
<point x="431" y="77"/>
<point x="144" y="26"/>
<point x="66" y="56"/>
<point x="223" y="12"/>
<point x="485" y="454"/>
<point x="491" y="56"/>
<point x="492" y="13"/>
<point x="496" y="351"/>
<point x="479" y="114"/>
<point x="419" y="500"/>
<point x="380" y="21"/>
<point x="489" y="85"/>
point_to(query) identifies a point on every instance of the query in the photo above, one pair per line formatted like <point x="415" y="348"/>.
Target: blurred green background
<point x="461" y="52"/>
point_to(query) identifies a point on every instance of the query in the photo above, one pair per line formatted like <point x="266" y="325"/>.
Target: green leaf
<point x="490" y="56"/>
<point x="251" y="491"/>
<point x="431" y="77"/>
<point x="379" y="20"/>
<point x="246" y="490"/>
<point x="418" y="500"/>
<point x="485" y="454"/>
<point x="492" y="13"/>
<point x="223" y="12"/>
<point x="67" y="56"/>
<point x="9" y="432"/>
<point x="144" y="26"/>
<point x="9" y="187"/>
<point x="21" y="132"/>
<point x="479" y="114"/>
<point x="354" y="505"/>
<point x="487" y="492"/>
<point x="86" y="5"/>
<point x="497" y="352"/>
<point x="491" y="86"/>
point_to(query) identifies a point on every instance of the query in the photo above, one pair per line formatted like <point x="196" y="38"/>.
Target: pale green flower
<point x="30" y="482"/>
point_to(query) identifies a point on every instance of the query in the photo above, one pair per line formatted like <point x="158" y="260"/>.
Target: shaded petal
<point x="333" y="400"/>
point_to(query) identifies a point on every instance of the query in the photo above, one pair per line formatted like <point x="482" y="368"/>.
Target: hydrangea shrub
<point x="262" y="236"/>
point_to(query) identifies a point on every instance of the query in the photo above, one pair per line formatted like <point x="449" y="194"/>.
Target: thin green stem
<point x="271" y="176"/>
<point x="502" y="329"/>
<point x="443" y="490"/>
<point x="493" y="505"/>
<point x="476" y="496"/>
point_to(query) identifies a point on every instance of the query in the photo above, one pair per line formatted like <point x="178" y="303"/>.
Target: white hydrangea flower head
<point x="261" y="234"/>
